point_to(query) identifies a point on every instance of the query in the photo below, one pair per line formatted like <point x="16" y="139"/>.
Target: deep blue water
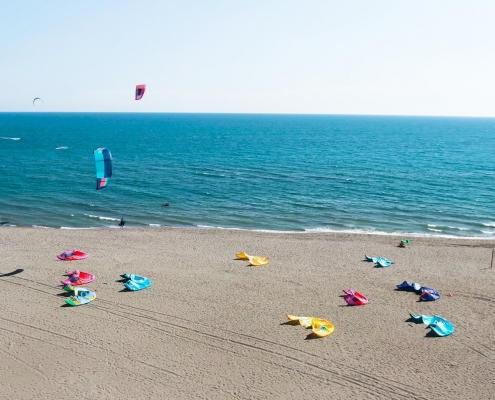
<point x="423" y="175"/>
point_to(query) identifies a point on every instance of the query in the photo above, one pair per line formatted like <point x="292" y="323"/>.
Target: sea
<point x="399" y="175"/>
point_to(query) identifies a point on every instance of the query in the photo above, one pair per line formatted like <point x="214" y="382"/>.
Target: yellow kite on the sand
<point x="242" y="256"/>
<point x="321" y="327"/>
<point x="256" y="261"/>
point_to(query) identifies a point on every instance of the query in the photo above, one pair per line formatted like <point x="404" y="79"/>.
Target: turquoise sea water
<point x="407" y="175"/>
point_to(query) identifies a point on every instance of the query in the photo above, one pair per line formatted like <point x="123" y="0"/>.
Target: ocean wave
<point x="435" y="230"/>
<point x="103" y="218"/>
<point x="41" y="226"/>
<point x="61" y="148"/>
<point x="70" y="227"/>
<point x="244" y="229"/>
<point x="491" y="224"/>
<point x="154" y="225"/>
<point x="352" y="231"/>
<point x="10" y="138"/>
<point x="488" y="233"/>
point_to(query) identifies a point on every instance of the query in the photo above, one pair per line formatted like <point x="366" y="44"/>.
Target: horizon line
<point x="244" y="113"/>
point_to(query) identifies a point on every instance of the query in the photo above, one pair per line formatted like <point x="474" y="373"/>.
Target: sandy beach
<point x="211" y="326"/>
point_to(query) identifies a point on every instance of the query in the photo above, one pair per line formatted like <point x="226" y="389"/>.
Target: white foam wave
<point x="154" y="224"/>
<point x="354" y="232"/>
<point x="41" y="226"/>
<point x="434" y="230"/>
<point x="432" y="226"/>
<point x="491" y="224"/>
<point x="10" y="138"/>
<point x="244" y="229"/>
<point x="103" y="218"/>
<point x="488" y="232"/>
<point x="69" y="227"/>
<point x="61" y="148"/>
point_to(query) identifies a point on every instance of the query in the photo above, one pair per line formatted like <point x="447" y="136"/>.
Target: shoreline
<point x="316" y="231"/>
<point x="211" y="326"/>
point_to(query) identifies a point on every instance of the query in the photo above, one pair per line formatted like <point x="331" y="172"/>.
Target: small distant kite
<point x="37" y="98"/>
<point x="140" y="89"/>
<point x="104" y="167"/>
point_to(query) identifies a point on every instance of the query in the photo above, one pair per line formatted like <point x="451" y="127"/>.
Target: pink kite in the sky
<point x="140" y="91"/>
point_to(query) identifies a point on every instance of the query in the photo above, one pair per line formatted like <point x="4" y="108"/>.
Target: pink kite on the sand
<point x="77" y="278"/>
<point x="355" y="298"/>
<point x="71" y="255"/>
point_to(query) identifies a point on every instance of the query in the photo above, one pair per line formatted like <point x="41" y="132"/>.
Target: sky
<point x="380" y="57"/>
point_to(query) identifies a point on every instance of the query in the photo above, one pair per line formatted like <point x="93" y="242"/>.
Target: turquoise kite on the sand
<point x="381" y="261"/>
<point x="439" y="325"/>
<point x="136" y="282"/>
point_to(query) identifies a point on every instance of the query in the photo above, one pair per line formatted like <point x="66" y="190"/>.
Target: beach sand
<point x="210" y="326"/>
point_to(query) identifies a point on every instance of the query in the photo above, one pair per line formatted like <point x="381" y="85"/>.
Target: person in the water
<point x="122" y="222"/>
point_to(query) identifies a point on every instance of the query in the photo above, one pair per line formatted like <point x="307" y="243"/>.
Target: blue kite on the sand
<point x="409" y="286"/>
<point x="426" y="293"/>
<point x="381" y="261"/>
<point x="440" y="326"/>
<point x="136" y="282"/>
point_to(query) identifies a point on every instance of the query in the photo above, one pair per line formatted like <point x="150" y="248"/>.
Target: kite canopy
<point x="136" y="282"/>
<point x="320" y="327"/>
<point x="140" y="89"/>
<point x="257" y="261"/>
<point x="380" y="261"/>
<point x="37" y="98"/>
<point x="355" y="298"/>
<point x="71" y="255"/>
<point x="81" y="296"/>
<point x="440" y="326"/>
<point x="78" y="278"/>
<point x="104" y="167"/>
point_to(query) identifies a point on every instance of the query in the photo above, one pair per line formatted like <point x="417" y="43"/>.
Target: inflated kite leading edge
<point x="104" y="167"/>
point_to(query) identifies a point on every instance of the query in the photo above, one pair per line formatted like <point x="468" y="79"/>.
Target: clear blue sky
<point x="395" y="57"/>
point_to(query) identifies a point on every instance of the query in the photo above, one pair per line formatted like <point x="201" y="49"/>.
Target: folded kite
<point x="71" y="255"/>
<point x="255" y="261"/>
<point x="440" y="326"/>
<point x="426" y="293"/>
<point x="320" y="327"/>
<point x="355" y="298"/>
<point x="242" y="256"/>
<point x="381" y="261"/>
<point x="136" y="282"/>
<point x="81" y="296"/>
<point x="409" y="286"/>
<point x="78" y="278"/>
